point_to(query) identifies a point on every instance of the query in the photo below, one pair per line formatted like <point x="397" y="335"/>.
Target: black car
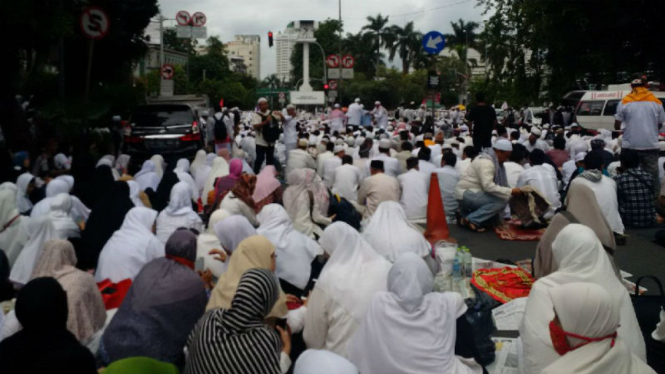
<point x="171" y="130"/>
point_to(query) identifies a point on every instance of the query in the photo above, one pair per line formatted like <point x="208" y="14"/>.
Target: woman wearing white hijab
<point x="585" y="333"/>
<point x="109" y="161"/>
<point x="203" y="171"/>
<point x="390" y="233"/>
<point x="580" y="258"/>
<point x="295" y="251"/>
<point x="122" y="163"/>
<point x="353" y="274"/>
<point x="178" y="213"/>
<point x="199" y="160"/>
<point x="182" y="171"/>
<point x="220" y="168"/>
<point x="232" y="231"/>
<point x="135" y="193"/>
<point x="131" y="247"/>
<point x="314" y="361"/>
<point x="207" y="241"/>
<point x="40" y="230"/>
<point x="60" y="216"/>
<point x="55" y="187"/>
<point x="13" y="227"/>
<point x="23" y="203"/>
<point x="147" y="177"/>
<point x="159" y="164"/>
<point x="409" y="328"/>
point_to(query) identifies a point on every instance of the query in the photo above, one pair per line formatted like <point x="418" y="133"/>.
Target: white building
<point x="285" y="43"/>
<point x="249" y="48"/>
<point x="472" y="55"/>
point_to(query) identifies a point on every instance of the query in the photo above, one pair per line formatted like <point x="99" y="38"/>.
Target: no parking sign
<point x="94" y="22"/>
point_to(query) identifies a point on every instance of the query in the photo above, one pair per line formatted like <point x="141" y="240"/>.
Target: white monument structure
<point x="305" y="94"/>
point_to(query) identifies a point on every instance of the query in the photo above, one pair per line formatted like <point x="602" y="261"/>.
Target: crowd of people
<point x="303" y="250"/>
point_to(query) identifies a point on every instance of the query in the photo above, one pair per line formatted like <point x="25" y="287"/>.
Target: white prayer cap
<point x="446" y="146"/>
<point x="117" y="118"/>
<point x="546" y="126"/>
<point x="262" y="100"/>
<point x="357" y="100"/>
<point x="390" y="128"/>
<point x="503" y="145"/>
<point x="661" y="145"/>
<point x="339" y="141"/>
<point x="377" y="103"/>
<point x="302" y="143"/>
<point x="336" y="105"/>
<point x="418" y="119"/>
<point x="385" y="144"/>
<point x="338" y="149"/>
<point x="205" y="113"/>
<point x="290" y="106"/>
<point x="350" y="141"/>
<point x="536" y="131"/>
<point x="494" y="132"/>
<point x="574" y="124"/>
<point x="580" y="157"/>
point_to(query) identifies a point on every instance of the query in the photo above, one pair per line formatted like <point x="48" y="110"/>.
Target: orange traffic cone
<point x="437" y="226"/>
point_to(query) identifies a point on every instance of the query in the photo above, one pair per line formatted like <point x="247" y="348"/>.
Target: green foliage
<point x="328" y="36"/>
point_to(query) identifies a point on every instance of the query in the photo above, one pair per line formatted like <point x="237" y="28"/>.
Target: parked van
<point x="596" y="109"/>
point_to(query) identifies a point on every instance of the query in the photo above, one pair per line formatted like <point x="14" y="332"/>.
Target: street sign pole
<point x="88" y="73"/>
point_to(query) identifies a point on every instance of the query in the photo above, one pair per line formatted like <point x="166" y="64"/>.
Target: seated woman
<point x="268" y="188"/>
<point x="14" y="234"/>
<point x="314" y="361"/>
<point x="179" y="213"/>
<point x="239" y="200"/>
<point x="87" y="313"/>
<point x="61" y="218"/>
<point x="230" y="232"/>
<point x="159" y="311"/>
<point x="40" y="231"/>
<point x="390" y="233"/>
<point x="409" y="328"/>
<point x="130" y="248"/>
<point x="220" y="168"/>
<point x="227" y="182"/>
<point x="182" y="171"/>
<point x="295" y="251"/>
<point x="307" y="201"/>
<point x="44" y="345"/>
<point x="584" y="333"/>
<point x="235" y="340"/>
<point x="255" y="252"/>
<point x="353" y="274"/>
<point x="147" y="178"/>
<point x="208" y="241"/>
<point x="25" y="184"/>
<point x="581" y="258"/>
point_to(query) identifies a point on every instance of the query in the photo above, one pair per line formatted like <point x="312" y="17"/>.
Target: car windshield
<point x="162" y="115"/>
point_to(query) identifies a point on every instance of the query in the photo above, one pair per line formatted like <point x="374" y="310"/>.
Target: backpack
<point x="271" y="130"/>
<point x="220" y="129"/>
<point x="344" y="211"/>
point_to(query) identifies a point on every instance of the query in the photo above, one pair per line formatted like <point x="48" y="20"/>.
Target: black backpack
<point x="271" y="130"/>
<point x="220" y="128"/>
<point x="344" y="211"/>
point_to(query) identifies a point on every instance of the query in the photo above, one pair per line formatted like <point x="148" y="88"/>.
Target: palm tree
<point x="405" y="43"/>
<point x="464" y="36"/>
<point x="271" y="81"/>
<point x="378" y="27"/>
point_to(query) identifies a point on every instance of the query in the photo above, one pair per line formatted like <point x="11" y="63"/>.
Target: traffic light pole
<point x="340" y="83"/>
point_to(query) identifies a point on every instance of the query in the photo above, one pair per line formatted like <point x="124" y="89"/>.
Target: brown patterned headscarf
<point x="244" y="189"/>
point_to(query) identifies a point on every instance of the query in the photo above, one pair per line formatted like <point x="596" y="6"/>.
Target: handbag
<point x="647" y="309"/>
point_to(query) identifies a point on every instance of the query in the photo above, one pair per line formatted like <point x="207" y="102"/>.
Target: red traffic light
<point x="326" y="86"/>
<point x="269" y="38"/>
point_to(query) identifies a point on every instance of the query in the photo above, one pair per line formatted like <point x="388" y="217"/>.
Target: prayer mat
<point x="504" y="284"/>
<point x="512" y="230"/>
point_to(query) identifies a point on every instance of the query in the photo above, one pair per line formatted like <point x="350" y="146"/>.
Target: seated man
<point x="542" y="177"/>
<point x="603" y="187"/>
<point x="483" y="189"/>
<point x="634" y="192"/>
<point x="448" y="179"/>
<point x="299" y="158"/>
<point x="378" y="188"/>
<point x="415" y="187"/>
<point x="425" y="167"/>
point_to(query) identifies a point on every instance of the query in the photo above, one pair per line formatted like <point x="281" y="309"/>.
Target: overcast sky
<point x="230" y="17"/>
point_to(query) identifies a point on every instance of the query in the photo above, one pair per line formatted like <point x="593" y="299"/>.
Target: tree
<point x="464" y="36"/>
<point x="403" y="42"/>
<point x="357" y="45"/>
<point x="377" y="28"/>
<point x="327" y="36"/>
<point x="214" y="62"/>
<point x="184" y="45"/>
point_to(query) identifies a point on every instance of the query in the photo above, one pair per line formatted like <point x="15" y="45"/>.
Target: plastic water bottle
<point x="459" y="256"/>
<point x="468" y="263"/>
<point x="457" y="274"/>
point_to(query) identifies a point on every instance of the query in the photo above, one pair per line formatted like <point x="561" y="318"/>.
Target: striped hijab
<point x="236" y="340"/>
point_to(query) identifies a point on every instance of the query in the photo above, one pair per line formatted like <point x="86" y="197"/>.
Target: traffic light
<point x="270" y="39"/>
<point x="326" y="86"/>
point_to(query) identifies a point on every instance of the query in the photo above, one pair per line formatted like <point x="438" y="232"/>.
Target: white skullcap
<point x="357" y="100"/>
<point x="117" y="118"/>
<point x="385" y="144"/>
<point x="503" y="145"/>
<point x="446" y="146"/>
<point x="302" y="143"/>
<point x="580" y="157"/>
<point x="336" y="105"/>
<point x="536" y="131"/>
<point x="290" y="106"/>
<point x="390" y="128"/>
<point x="574" y="124"/>
<point x="377" y="103"/>
<point x="262" y="100"/>
<point x="339" y="141"/>
<point x="546" y="126"/>
<point x="338" y="149"/>
<point x="205" y="113"/>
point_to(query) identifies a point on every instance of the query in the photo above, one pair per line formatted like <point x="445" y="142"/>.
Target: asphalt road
<point x="640" y="256"/>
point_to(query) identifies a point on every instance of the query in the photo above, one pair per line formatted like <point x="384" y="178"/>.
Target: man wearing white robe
<point x="299" y="158"/>
<point x="322" y="157"/>
<point x="331" y="164"/>
<point x="391" y="164"/>
<point x="378" y="188"/>
<point x="542" y="177"/>
<point x="534" y="141"/>
<point x="354" y="114"/>
<point x="289" y="128"/>
<point x="346" y="180"/>
<point x="380" y="115"/>
<point x="336" y="118"/>
<point x="425" y="167"/>
<point x="448" y="178"/>
<point x="415" y="188"/>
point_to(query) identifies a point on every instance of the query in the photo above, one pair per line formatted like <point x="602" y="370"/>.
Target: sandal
<point x="472" y="226"/>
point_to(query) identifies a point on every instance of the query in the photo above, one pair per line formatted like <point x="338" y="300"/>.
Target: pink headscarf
<point x="235" y="168"/>
<point x="266" y="183"/>
<point x="227" y="182"/>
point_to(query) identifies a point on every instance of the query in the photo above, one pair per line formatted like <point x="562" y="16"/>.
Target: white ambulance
<point x="596" y="109"/>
